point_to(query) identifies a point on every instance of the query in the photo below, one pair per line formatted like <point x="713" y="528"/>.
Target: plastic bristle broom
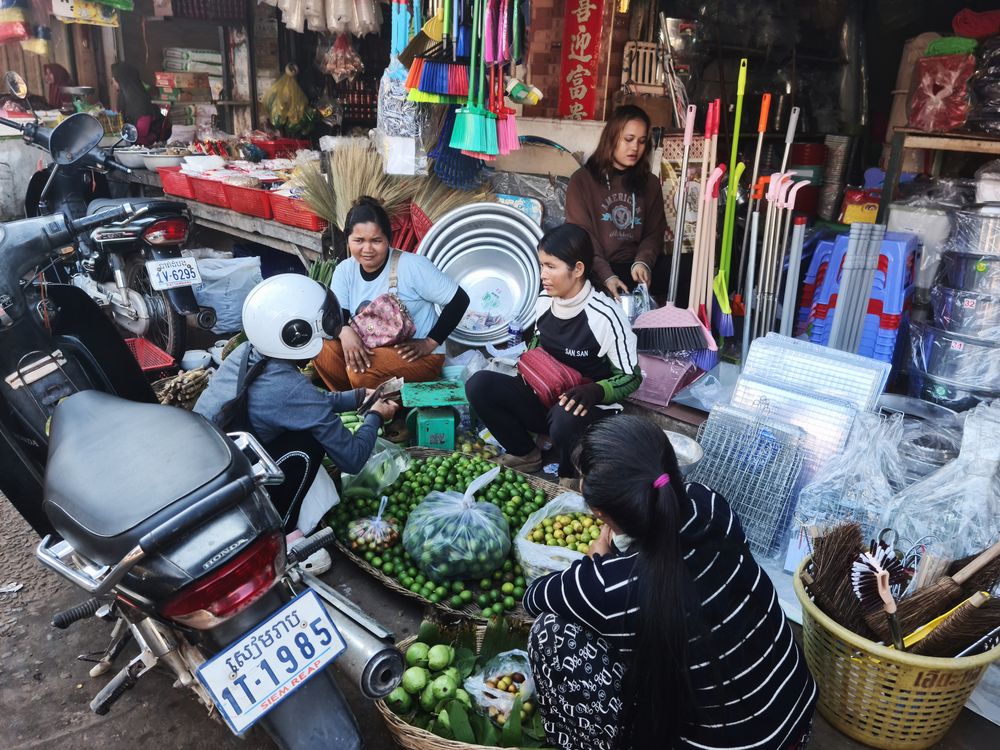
<point x="465" y="134"/>
<point x="723" y="312"/>
<point x="413" y="77"/>
<point x="671" y="329"/>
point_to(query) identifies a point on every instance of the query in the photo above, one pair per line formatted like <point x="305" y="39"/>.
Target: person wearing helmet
<point x="259" y="388"/>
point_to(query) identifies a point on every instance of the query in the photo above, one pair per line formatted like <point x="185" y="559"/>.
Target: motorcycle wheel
<point x="167" y="328"/>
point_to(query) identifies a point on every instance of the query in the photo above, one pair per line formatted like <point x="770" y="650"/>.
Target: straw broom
<point x="952" y="633"/>
<point x="829" y="580"/>
<point x="931" y="601"/>
<point x="357" y="169"/>
<point x="434" y="199"/>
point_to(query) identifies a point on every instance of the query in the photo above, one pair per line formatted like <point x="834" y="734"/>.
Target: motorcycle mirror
<point x="16" y="84"/>
<point x="74" y="137"/>
<point x="130" y="134"/>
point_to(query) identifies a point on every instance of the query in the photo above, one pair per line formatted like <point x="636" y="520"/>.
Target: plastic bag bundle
<point x="367" y="18"/>
<point x="642" y="302"/>
<point x="384" y="466"/>
<point x="294" y="15"/>
<point x="315" y="11"/>
<point x="342" y="62"/>
<point x="374" y="533"/>
<point x="286" y="103"/>
<point x="959" y="505"/>
<point x="397" y="115"/>
<point x="339" y="14"/>
<point x="940" y="99"/>
<point x="454" y="537"/>
<point x="485" y="687"/>
<point x="537" y="559"/>
<point x="857" y="484"/>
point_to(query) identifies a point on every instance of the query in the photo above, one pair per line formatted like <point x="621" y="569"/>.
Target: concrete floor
<point x="45" y="691"/>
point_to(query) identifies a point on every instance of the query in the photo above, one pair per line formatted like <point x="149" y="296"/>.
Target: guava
<point x="416" y="655"/>
<point x="440" y="657"/>
<point x="415" y="679"/>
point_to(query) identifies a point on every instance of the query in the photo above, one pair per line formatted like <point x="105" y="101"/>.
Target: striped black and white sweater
<point x="752" y="688"/>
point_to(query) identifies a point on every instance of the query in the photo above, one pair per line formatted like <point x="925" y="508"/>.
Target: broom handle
<point x="485" y="30"/>
<point x="734" y="186"/>
<point x="675" y="260"/>
<point x="699" y="224"/>
<point x="765" y="110"/>
<point x="475" y="48"/>
<point x="793" y="122"/>
<point x="978" y="564"/>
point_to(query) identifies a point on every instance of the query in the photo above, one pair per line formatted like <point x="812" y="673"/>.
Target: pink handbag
<point x="385" y="321"/>
<point x="547" y="376"/>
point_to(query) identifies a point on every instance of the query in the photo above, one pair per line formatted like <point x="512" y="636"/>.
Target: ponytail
<point x="642" y="490"/>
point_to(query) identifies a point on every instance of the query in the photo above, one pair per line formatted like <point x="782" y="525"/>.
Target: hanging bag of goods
<point x="547" y="376"/>
<point x="385" y="321"/>
<point x="454" y="537"/>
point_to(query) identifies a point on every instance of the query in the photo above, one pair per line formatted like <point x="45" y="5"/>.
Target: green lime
<point x="465" y="596"/>
<point x="456" y="601"/>
<point x="509" y="603"/>
<point x="507" y="588"/>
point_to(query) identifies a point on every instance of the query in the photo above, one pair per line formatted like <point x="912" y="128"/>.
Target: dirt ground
<point x="45" y="691"/>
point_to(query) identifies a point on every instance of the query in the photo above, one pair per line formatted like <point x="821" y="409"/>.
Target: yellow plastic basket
<point x="877" y="695"/>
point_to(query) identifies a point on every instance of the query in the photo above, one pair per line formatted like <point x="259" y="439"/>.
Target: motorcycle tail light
<point x="167" y="232"/>
<point x="229" y="589"/>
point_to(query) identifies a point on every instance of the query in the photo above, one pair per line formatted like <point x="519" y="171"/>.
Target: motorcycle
<point x="185" y="556"/>
<point x="136" y="273"/>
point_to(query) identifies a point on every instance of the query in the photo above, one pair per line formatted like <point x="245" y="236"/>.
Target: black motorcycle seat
<point x="118" y="469"/>
<point x="156" y="205"/>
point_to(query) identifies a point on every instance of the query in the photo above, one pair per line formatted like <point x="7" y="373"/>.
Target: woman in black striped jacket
<point x="678" y="642"/>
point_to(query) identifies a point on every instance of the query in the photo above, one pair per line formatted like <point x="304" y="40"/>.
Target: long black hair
<point x="368" y="210"/>
<point x="571" y="244"/>
<point x="601" y="162"/>
<point x="620" y="459"/>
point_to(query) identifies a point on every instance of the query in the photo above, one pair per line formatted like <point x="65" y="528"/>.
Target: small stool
<point x="433" y="415"/>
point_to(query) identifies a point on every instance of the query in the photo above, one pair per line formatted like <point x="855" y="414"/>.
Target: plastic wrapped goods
<point x="453" y="537"/>
<point x="857" y="484"/>
<point x="940" y="100"/>
<point x="958" y="505"/>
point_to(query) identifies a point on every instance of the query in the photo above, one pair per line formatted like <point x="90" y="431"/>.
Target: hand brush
<point x="872" y="573"/>
<point x="940" y="596"/>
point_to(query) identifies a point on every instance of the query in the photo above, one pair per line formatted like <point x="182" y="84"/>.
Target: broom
<point x="988" y="612"/>
<point x="931" y="601"/>
<point x="765" y="109"/>
<point x="486" y="146"/>
<point x="466" y="129"/>
<point x="829" y="576"/>
<point x="441" y="74"/>
<point x="985" y="580"/>
<point x="946" y="635"/>
<point x="723" y="312"/>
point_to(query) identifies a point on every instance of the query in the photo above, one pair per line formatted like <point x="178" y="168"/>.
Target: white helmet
<point x="287" y="316"/>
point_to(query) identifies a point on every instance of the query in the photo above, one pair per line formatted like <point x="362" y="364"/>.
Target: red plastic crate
<point x="150" y="357"/>
<point x="280" y="148"/>
<point x="211" y="192"/>
<point x="295" y="213"/>
<point x="251" y="201"/>
<point x="176" y="182"/>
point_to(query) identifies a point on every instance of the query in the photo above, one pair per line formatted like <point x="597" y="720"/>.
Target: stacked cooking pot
<point x="492" y="251"/>
<point x="956" y="358"/>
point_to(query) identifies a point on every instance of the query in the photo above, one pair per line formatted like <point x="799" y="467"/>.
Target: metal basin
<point x="967" y="313"/>
<point x="972" y="272"/>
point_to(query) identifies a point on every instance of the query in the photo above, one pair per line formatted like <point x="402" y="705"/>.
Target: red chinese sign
<point x="581" y="50"/>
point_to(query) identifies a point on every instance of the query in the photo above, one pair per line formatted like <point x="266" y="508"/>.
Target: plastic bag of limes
<point x="454" y="537"/>
<point x="555" y="536"/>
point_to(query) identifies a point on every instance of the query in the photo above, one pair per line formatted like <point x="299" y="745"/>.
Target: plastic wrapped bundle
<point x="857" y="484"/>
<point x="940" y="99"/>
<point x="958" y="505"/>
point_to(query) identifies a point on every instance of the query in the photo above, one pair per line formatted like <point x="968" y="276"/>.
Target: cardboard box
<point x="182" y="80"/>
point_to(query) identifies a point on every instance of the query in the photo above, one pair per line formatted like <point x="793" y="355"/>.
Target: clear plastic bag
<point x="387" y="462"/>
<point x="642" y="302"/>
<point x="857" y="484"/>
<point x="959" y="505"/>
<point x="374" y="533"/>
<point x="939" y="101"/>
<point x="955" y="357"/>
<point x="454" y="537"/>
<point x="537" y="559"/>
<point x="488" y="698"/>
<point x="931" y="222"/>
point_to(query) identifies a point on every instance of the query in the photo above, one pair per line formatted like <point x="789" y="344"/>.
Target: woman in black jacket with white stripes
<point x="677" y="642"/>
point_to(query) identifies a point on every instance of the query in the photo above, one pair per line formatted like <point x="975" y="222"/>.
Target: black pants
<point x="512" y="411"/>
<point x="300" y="457"/>
<point x="660" y="281"/>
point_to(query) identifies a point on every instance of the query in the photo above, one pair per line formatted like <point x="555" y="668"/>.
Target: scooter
<point x="185" y="555"/>
<point x="135" y="273"/>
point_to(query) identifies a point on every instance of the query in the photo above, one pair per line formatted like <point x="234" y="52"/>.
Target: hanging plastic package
<point x="454" y="537"/>
<point x="343" y="63"/>
<point x="959" y="504"/>
<point x="287" y="105"/>
<point x="339" y="14"/>
<point x="368" y="18"/>
<point x="295" y="17"/>
<point x="316" y="15"/>
<point x="940" y="100"/>
<point x="857" y="484"/>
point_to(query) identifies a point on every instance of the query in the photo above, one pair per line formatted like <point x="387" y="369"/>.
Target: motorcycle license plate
<point x="255" y="673"/>
<point x="172" y="273"/>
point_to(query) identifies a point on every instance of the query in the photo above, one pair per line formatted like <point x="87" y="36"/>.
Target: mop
<point x="724" y="313"/>
<point x="765" y="109"/>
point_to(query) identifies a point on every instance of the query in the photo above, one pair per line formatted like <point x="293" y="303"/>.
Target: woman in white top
<point x="364" y="276"/>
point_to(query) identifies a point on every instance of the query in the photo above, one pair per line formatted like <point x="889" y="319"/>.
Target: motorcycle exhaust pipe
<point x="371" y="661"/>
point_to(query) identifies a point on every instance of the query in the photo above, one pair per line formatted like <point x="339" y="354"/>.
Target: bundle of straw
<point x="434" y="198"/>
<point x="354" y="169"/>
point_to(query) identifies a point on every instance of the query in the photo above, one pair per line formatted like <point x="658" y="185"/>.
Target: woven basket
<point x="877" y="695"/>
<point x="415" y="738"/>
<point x="470" y="611"/>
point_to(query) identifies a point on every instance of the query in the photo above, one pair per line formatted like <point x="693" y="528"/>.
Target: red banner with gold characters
<point x="580" y="53"/>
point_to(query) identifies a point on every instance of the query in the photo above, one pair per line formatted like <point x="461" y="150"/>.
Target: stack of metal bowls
<point x="492" y="251"/>
<point x="957" y="359"/>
